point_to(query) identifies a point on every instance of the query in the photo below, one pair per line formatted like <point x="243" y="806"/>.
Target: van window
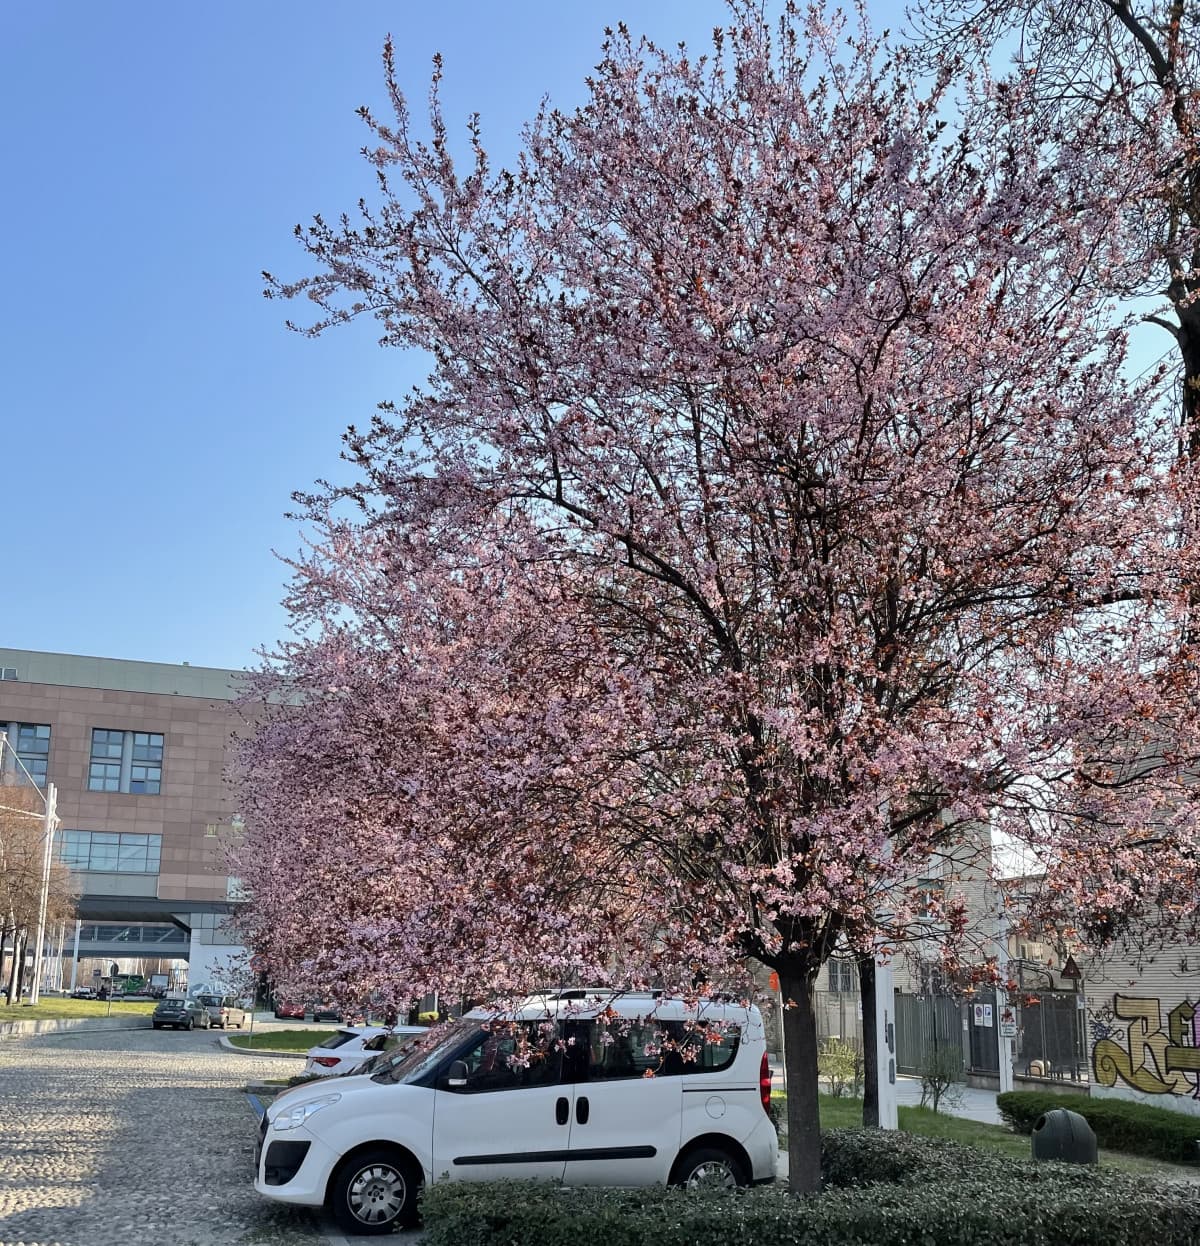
<point x="511" y="1056"/>
<point x="652" y="1048"/>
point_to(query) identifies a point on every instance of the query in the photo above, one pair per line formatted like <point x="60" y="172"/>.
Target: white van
<point x="624" y="1090"/>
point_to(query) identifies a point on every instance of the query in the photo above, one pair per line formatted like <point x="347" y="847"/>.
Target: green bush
<point x="882" y="1189"/>
<point x="1119" y="1124"/>
<point x="840" y="1065"/>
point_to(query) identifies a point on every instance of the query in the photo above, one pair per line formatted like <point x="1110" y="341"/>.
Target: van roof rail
<point x="586" y="992"/>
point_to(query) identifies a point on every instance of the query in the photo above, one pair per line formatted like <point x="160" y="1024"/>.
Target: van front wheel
<point x="711" y="1167"/>
<point x="375" y="1191"/>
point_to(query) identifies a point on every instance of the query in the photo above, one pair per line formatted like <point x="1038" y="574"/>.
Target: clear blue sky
<point x="156" y="413"/>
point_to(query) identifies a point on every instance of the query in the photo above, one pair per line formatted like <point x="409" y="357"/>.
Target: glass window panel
<point x="103" y="857"/>
<point x="131" y="855"/>
<point x="33" y="738"/>
<point x="105" y="837"/>
<point x="106" y="743"/>
<point x="103" y="774"/>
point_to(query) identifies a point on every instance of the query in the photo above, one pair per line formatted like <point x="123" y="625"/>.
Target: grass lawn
<point x="296" y="1042"/>
<point x="847" y="1114"/>
<point x="60" y="1008"/>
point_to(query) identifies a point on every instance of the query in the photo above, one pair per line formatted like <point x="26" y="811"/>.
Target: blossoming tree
<point x="776" y="511"/>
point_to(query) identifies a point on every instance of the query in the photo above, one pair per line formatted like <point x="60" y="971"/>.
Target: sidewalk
<point x="970" y="1103"/>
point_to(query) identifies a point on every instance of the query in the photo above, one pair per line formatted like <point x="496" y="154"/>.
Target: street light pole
<point x="49" y="825"/>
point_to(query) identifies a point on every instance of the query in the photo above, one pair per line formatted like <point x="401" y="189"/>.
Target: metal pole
<point x="75" y="955"/>
<point x="44" y="897"/>
<point x="1004" y="1043"/>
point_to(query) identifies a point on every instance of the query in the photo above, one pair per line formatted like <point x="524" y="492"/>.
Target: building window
<point x="843" y="975"/>
<point x="126" y="761"/>
<point x="31" y="743"/>
<point x="111" y="852"/>
<point x="931" y="894"/>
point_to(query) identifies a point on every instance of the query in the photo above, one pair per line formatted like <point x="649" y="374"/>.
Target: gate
<point x="928" y="1029"/>
<point x="1051" y="1042"/>
<point x="983" y="1020"/>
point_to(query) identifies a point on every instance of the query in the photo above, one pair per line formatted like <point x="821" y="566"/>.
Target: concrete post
<point x="885" y="1043"/>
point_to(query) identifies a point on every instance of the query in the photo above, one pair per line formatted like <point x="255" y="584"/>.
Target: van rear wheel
<point x="375" y="1191"/>
<point x="709" y="1167"/>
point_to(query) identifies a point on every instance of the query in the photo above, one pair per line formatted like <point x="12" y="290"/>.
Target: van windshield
<point x="407" y="1064"/>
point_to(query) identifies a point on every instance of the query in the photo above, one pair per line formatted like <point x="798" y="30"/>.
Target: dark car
<point x="326" y="1012"/>
<point x="179" y="1014"/>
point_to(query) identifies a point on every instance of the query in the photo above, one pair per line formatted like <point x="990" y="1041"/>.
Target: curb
<point x="251" y="1051"/>
<point x="32" y="1029"/>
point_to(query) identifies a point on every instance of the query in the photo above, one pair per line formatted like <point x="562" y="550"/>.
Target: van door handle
<point x="561" y="1111"/>
<point x="581" y="1109"/>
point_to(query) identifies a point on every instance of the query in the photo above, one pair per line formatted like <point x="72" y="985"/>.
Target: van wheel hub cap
<point x="712" y="1174"/>
<point x="377" y="1194"/>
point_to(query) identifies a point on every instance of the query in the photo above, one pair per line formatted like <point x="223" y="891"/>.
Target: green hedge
<point x="882" y="1190"/>
<point x="1119" y="1124"/>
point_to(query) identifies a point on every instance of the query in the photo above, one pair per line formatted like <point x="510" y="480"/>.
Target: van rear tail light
<point x="764" y="1084"/>
<point x="327" y="1062"/>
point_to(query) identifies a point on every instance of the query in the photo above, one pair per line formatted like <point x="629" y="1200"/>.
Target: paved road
<point x="132" y="1137"/>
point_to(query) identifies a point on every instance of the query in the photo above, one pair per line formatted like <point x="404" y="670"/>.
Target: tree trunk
<point x="3" y="964"/>
<point x="866" y="988"/>
<point x="14" y="975"/>
<point x="1188" y="341"/>
<point x="803" y="1108"/>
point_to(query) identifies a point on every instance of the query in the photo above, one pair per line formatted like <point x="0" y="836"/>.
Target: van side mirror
<point x="457" y="1075"/>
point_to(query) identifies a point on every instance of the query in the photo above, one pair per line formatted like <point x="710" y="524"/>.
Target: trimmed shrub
<point x="1119" y="1124"/>
<point x="883" y="1189"/>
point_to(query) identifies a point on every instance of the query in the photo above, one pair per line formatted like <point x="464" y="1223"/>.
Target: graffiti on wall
<point x="1154" y="1059"/>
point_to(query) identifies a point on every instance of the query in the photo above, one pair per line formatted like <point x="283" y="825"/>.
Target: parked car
<point x="627" y="1091"/>
<point x="180" y="1014"/>
<point x="326" y="1012"/>
<point x="84" y="992"/>
<point x="289" y="1009"/>
<point x="351" y="1046"/>
<point x="224" y="1011"/>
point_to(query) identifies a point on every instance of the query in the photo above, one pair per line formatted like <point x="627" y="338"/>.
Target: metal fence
<point x="929" y="1034"/>
<point x="839" y="1015"/>
<point x="1051" y="1041"/>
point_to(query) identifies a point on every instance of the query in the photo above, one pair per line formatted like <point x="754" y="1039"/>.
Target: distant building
<point x="136" y="751"/>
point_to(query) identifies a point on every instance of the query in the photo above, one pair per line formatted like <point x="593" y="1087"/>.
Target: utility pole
<point x="50" y="822"/>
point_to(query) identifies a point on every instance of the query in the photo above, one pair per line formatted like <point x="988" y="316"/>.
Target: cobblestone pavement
<point x="136" y="1136"/>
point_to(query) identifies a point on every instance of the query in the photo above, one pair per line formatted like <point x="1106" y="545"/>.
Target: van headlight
<point x="296" y="1117"/>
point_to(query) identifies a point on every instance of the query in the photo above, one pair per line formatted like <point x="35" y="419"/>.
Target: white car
<point x="351" y="1046"/>
<point x="625" y="1090"/>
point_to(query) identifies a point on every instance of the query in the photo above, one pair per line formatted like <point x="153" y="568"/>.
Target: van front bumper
<point x="293" y="1167"/>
